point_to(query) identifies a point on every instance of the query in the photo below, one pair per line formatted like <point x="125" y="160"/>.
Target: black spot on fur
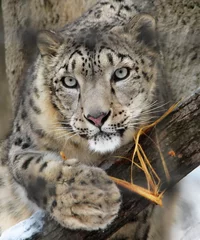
<point x="110" y="58"/>
<point x="25" y="145"/>
<point x="83" y="183"/>
<point x="194" y="57"/>
<point x="122" y="56"/>
<point x="35" y="108"/>
<point x="44" y="165"/>
<point x="79" y="96"/>
<point x="72" y="180"/>
<point x="76" y="52"/>
<point x="52" y="191"/>
<point x="104" y="3"/>
<point x="36" y="92"/>
<point x="142" y="90"/>
<point x="127" y="8"/>
<point x="66" y="67"/>
<point x="55" y="106"/>
<point x="75" y="196"/>
<point x="27" y="162"/>
<point x="18" y="142"/>
<point x="73" y="64"/>
<point x="136" y="69"/>
<point x="54" y="204"/>
<point x="18" y="129"/>
<point x="145" y="75"/>
<point x="112" y="7"/>
<point x="39" y="159"/>
<point x="98" y="13"/>
<point x="137" y="77"/>
<point x="93" y="181"/>
<point x="59" y="176"/>
<point x="16" y="158"/>
<point x="113" y="91"/>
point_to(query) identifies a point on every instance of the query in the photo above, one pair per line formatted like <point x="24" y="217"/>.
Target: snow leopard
<point x="90" y="88"/>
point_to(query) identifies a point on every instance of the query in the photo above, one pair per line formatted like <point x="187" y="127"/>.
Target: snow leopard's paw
<point x="85" y="198"/>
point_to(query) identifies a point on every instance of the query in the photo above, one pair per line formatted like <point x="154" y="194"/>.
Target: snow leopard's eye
<point x="69" y="82"/>
<point x="121" y="73"/>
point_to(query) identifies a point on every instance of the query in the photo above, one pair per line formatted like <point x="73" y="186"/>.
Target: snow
<point x="187" y="225"/>
<point x="25" y="229"/>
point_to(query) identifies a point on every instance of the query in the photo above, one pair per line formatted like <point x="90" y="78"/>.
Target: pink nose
<point x="99" y="119"/>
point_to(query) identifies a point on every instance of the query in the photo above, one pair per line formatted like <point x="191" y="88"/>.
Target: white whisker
<point x="119" y="128"/>
<point x="73" y="136"/>
<point x="59" y="129"/>
<point x="61" y="135"/>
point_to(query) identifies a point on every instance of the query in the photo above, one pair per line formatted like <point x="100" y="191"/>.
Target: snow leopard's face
<point x="102" y="84"/>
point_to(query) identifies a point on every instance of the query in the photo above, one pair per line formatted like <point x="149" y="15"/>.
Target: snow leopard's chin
<point x="105" y="143"/>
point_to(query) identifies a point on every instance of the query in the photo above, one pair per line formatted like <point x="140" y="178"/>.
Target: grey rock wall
<point x="5" y="108"/>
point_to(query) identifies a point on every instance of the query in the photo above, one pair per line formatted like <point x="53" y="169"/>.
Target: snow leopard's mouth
<point x="102" y="134"/>
<point x="108" y="134"/>
<point x="103" y="141"/>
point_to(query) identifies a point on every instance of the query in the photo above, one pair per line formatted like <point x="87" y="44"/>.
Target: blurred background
<point x="5" y="108"/>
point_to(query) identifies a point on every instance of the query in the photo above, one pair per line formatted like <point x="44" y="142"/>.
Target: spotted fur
<point x="52" y="116"/>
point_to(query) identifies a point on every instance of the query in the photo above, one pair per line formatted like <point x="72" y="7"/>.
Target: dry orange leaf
<point x="140" y="190"/>
<point x="62" y="154"/>
<point x="172" y="153"/>
<point x="153" y="180"/>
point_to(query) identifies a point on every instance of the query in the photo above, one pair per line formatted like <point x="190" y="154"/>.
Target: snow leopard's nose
<point x="98" y="119"/>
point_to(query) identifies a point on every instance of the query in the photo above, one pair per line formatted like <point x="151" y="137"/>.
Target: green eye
<point x="121" y="73"/>
<point x="69" y="82"/>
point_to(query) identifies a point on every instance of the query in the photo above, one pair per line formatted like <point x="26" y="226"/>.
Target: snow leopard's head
<point x="101" y="80"/>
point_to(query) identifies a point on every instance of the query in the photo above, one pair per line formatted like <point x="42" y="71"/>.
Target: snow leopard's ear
<point x="48" y="42"/>
<point x="143" y="26"/>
